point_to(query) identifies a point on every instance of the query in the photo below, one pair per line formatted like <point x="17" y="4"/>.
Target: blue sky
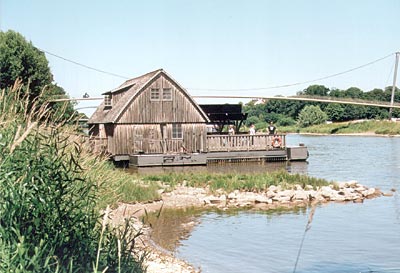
<point x="208" y="44"/>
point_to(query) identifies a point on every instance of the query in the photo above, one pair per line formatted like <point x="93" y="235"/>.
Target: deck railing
<point x="215" y="143"/>
<point x="243" y="142"/>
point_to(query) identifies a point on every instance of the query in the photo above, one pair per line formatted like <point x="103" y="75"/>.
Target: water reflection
<point x="298" y="167"/>
<point x="343" y="238"/>
<point x="172" y="226"/>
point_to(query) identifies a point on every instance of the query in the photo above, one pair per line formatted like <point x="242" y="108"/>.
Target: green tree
<point x="353" y="92"/>
<point x="20" y="60"/>
<point x="334" y="111"/>
<point x="337" y="93"/>
<point x="285" y="107"/>
<point x="252" y="120"/>
<point x="286" y="121"/>
<point x="315" y="90"/>
<point x="311" y="115"/>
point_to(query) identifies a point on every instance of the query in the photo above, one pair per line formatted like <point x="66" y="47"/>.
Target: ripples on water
<point x="343" y="237"/>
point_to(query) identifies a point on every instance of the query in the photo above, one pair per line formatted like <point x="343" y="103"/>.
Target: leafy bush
<point x="311" y="115"/>
<point x="252" y="120"/>
<point x="286" y="121"/>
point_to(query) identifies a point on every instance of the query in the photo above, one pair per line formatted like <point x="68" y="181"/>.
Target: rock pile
<point x="274" y="195"/>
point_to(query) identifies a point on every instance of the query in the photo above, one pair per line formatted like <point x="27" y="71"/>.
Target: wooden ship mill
<point x="151" y="120"/>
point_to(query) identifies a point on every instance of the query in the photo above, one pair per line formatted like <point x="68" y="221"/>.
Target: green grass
<point x="231" y="182"/>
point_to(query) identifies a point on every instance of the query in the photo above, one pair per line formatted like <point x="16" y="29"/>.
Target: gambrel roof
<point x="131" y="89"/>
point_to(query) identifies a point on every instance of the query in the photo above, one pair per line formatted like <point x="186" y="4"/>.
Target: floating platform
<point x="296" y="153"/>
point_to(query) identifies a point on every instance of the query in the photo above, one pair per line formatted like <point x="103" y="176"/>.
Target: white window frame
<point x="107" y="101"/>
<point x="155" y="94"/>
<point x="167" y="91"/>
<point x="177" y="132"/>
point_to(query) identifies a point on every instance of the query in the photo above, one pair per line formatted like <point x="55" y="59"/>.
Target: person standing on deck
<point x="271" y="128"/>
<point x="271" y="131"/>
<point x="231" y="130"/>
<point x="252" y="130"/>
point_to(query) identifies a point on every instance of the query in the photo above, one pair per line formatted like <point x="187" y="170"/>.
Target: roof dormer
<point x="107" y="101"/>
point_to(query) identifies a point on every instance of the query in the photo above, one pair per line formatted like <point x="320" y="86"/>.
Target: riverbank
<point x="159" y="260"/>
<point x="364" y="134"/>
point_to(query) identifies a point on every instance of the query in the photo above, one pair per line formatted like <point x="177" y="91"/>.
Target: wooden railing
<point x="244" y="142"/>
<point x="215" y="143"/>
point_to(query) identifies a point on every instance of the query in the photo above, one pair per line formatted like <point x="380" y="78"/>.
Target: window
<point x="177" y="131"/>
<point x="167" y="94"/>
<point x="107" y="101"/>
<point x="155" y="94"/>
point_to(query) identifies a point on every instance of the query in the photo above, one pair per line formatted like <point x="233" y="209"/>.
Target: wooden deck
<point x="219" y="148"/>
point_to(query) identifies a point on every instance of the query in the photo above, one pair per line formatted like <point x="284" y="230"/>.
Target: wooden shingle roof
<point x="131" y="88"/>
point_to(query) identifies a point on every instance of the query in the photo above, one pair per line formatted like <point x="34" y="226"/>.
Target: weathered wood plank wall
<point x="144" y="110"/>
<point x="148" y="138"/>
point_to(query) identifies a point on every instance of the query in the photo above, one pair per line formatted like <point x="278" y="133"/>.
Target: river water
<point x="344" y="237"/>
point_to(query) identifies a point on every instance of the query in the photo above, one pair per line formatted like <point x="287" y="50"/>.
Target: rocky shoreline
<point x="158" y="260"/>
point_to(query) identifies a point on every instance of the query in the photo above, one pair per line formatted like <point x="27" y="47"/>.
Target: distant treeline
<point x="286" y="113"/>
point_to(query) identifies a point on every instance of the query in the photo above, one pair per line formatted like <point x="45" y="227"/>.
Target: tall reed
<point x="49" y="217"/>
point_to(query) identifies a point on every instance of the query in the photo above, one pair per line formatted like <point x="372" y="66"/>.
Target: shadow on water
<point x="172" y="226"/>
<point x="300" y="167"/>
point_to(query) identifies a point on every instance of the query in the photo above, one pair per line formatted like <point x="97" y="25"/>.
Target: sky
<point x="212" y="47"/>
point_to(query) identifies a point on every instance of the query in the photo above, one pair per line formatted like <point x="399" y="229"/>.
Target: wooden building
<point x="150" y="114"/>
<point x="152" y="120"/>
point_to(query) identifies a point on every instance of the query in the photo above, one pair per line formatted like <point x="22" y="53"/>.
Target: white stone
<point x="273" y="188"/>
<point x="352" y="183"/>
<point x="300" y="195"/>
<point x="309" y="187"/>
<point x="326" y="192"/>
<point x="371" y="191"/>
<point x="232" y="195"/>
<point x="342" y="185"/>
<point x="281" y="199"/>
<point x="360" y="188"/>
<point x="298" y="187"/>
<point x="262" y="199"/>
<point x="270" y="193"/>
<point x="337" y="197"/>
<point x="212" y="200"/>
<point x="289" y="193"/>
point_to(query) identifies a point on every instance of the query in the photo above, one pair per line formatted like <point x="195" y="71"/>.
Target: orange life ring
<point x="277" y="142"/>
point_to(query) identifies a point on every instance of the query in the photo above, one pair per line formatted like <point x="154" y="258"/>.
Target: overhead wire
<point x="297" y="83"/>
<point x="239" y="89"/>
<point x="390" y="74"/>
<point x="83" y="65"/>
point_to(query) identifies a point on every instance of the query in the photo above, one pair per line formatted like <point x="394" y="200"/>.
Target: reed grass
<point x="49" y="216"/>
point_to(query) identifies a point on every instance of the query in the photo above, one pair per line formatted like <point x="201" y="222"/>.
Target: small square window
<point x="155" y="94"/>
<point x="177" y="131"/>
<point x="107" y="100"/>
<point x="167" y="94"/>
